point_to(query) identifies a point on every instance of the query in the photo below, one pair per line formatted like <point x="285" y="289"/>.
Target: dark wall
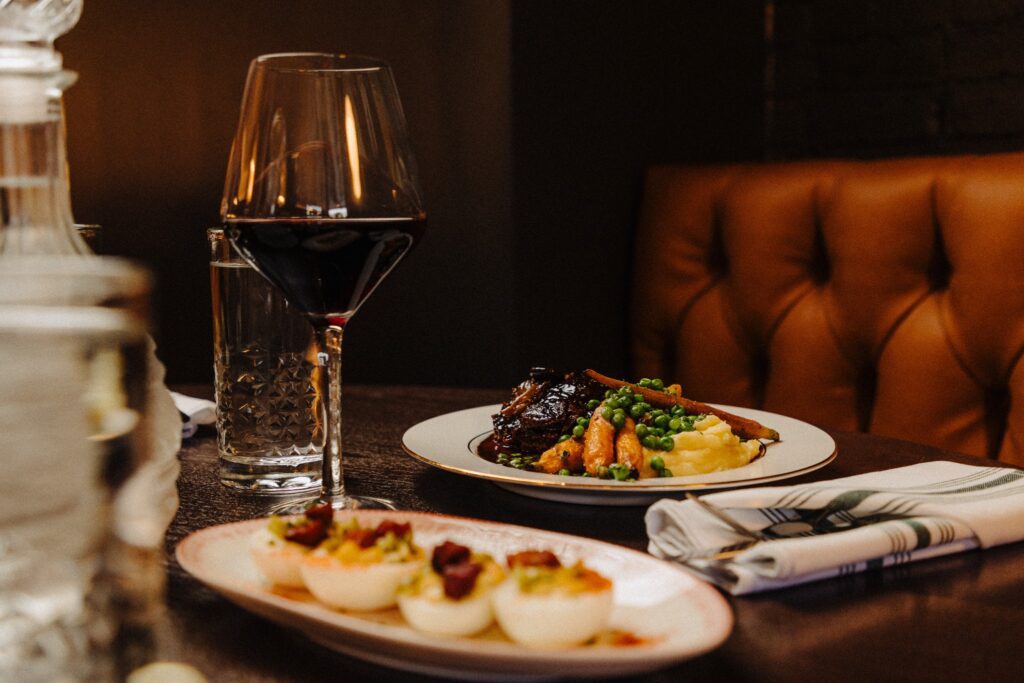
<point x="600" y="91"/>
<point x="872" y="78"/>
<point x="532" y="122"/>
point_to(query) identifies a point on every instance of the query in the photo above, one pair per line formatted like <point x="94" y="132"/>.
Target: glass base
<point x="265" y="486"/>
<point x="298" y="506"/>
<point x="272" y="474"/>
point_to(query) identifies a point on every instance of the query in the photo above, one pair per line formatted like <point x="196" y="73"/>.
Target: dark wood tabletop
<point x="948" y="619"/>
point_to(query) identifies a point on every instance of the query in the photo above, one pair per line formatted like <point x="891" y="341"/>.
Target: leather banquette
<point x="879" y="296"/>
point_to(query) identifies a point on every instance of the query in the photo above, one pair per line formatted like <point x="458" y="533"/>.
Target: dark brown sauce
<point x="489" y="451"/>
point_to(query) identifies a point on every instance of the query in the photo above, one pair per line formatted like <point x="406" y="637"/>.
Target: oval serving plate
<point x="675" y="615"/>
<point x="450" y="441"/>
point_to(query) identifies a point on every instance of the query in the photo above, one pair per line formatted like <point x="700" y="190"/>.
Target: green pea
<point x="645" y="383"/>
<point x="593" y="403"/>
<point x="661" y="421"/>
<point x="619" y="472"/>
<point x="578" y="430"/>
<point x="666" y="473"/>
<point x="644" y="406"/>
<point x="666" y="443"/>
<point x="650" y="441"/>
<point x="657" y="463"/>
<point x="656" y="413"/>
<point x="658" y="431"/>
<point x="635" y="411"/>
<point x="619" y="420"/>
<point x="564" y="472"/>
<point x="641" y="430"/>
<point x="607" y="413"/>
<point x="581" y="420"/>
<point x="563" y="437"/>
<point x="675" y="423"/>
<point x="657" y="384"/>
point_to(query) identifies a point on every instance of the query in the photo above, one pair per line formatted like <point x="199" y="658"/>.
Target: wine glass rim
<point x="319" y="62"/>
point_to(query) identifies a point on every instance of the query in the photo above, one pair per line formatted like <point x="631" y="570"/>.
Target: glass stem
<point x="329" y="339"/>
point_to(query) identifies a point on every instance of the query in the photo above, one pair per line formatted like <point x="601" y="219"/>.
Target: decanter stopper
<point x="28" y="29"/>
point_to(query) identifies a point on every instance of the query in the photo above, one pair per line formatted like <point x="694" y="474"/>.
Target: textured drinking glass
<point x="321" y="197"/>
<point x="269" y="433"/>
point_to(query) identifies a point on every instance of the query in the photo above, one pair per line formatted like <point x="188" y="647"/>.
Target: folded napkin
<point x="194" y="412"/>
<point x="833" y="528"/>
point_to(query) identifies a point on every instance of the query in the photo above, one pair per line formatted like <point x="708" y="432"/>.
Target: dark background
<point x="532" y="122"/>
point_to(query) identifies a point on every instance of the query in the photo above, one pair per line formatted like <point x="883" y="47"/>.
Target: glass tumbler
<point x="269" y="433"/>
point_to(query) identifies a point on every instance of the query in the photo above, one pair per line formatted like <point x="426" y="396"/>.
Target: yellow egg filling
<point x="541" y="580"/>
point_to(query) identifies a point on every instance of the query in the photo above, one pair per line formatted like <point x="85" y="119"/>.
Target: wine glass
<point x="322" y="198"/>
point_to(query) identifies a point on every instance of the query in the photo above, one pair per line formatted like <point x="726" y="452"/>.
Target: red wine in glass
<point x="326" y="267"/>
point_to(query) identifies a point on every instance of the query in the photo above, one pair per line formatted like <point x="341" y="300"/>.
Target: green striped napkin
<point x="833" y="528"/>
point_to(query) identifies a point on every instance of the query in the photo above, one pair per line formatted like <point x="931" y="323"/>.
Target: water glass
<point x="269" y="433"/>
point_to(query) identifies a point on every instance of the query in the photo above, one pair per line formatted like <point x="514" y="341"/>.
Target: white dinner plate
<point x="676" y="616"/>
<point x="450" y="442"/>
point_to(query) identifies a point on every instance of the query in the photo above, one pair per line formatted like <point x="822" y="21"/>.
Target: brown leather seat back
<point x="882" y="296"/>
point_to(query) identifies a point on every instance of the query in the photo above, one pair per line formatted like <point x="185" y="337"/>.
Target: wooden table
<point x="954" y="618"/>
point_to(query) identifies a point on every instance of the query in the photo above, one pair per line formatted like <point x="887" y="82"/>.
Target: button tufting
<point x="832" y="296"/>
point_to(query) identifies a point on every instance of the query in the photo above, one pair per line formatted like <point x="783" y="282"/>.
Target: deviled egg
<point x="452" y="595"/>
<point x="279" y="548"/>
<point x="547" y="606"/>
<point x="361" y="568"/>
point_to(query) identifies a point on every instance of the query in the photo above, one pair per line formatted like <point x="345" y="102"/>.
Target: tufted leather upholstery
<point x="881" y="296"/>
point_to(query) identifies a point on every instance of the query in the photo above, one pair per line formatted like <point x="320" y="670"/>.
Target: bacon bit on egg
<point x="366" y="538"/>
<point x="324" y="512"/>
<point x="533" y="558"/>
<point x="308" y="533"/>
<point x="312" y="528"/>
<point x="400" y="530"/>
<point x="448" y="553"/>
<point x="460" y="579"/>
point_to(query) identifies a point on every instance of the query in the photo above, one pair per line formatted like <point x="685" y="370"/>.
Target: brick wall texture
<point x="870" y="78"/>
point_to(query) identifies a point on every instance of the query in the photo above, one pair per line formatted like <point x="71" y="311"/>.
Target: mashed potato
<point x="710" y="447"/>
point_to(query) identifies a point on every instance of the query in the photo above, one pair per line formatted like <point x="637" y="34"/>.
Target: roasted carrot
<point x="598" y="444"/>
<point x="743" y="427"/>
<point x="566" y="455"/>
<point x="628" y="450"/>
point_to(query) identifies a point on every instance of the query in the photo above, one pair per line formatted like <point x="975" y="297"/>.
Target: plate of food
<point x="459" y="597"/>
<point x="585" y="438"/>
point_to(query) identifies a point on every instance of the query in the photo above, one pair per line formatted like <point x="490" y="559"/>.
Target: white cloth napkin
<point x="833" y="528"/>
<point x="195" y="412"/>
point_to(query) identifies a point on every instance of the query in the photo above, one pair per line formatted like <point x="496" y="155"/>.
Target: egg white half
<point x="551" y="621"/>
<point x="447" y="617"/>
<point x="277" y="559"/>
<point x="360" y="587"/>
